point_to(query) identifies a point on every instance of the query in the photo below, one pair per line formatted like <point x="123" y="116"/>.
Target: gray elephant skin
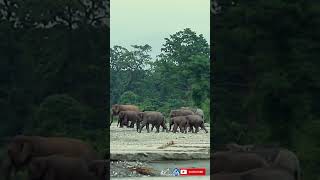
<point x="179" y="121"/>
<point x="128" y="116"/>
<point x="117" y="108"/>
<point x="268" y="173"/>
<point x="151" y="117"/>
<point x="274" y="155"/>
<point x="57" y="167"/>
<point x="196" y="111"/>
<point x="196" y="121"/>
<point x="22" y="149"/>
<point x="180" y="112"/>
<point x="235" y="162"/>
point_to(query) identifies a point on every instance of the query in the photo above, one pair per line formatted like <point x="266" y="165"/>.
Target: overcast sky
<point x="140" y="22"/>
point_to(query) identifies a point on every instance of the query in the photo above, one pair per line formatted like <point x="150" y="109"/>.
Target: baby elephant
<point x="181" y="122"/>
<point x="196" y="121"/>
<point x="57" y="167"/>
<point x="151" y="117"/>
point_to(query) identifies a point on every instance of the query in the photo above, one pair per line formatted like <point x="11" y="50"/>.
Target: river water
<point x="122" y="169"/>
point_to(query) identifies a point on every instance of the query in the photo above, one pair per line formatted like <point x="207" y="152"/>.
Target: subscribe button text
<point x="192" y="171"/>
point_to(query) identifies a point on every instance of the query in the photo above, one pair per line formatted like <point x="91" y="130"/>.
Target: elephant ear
<point x="25" y="151"/>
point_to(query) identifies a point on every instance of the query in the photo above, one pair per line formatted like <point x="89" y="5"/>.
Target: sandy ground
<point x="126" y="144"/>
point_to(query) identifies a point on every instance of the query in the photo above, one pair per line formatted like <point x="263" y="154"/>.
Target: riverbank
<point x="128" y="145"/>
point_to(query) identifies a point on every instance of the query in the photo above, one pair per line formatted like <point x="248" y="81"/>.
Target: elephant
<point x="117" y="108"/>
<point x="180" y="112"/>
<point x="196" y="111"/>
<point x="181" y="122"/>
<point x="129" y="116"/>
<point x="57" y="167"/>
<point x="121" y="119"/>
<point x="151" y="117"/>
<point x="22" y="149"/>
<point x="196" y="121"/>
<point x="235" y="162"/>
<point x="153" y="125"/>
<point x="266" y="173"/>
<point x="278" y="157"/>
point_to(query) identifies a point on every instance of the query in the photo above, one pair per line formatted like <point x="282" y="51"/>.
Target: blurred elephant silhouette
<point x="273" y="154"/>
<point x="58" y="167"/>
<point x="266" y="173"/>
<point x="22" y="149"/>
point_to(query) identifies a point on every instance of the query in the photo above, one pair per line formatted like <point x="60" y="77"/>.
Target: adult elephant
<point x="180" y="112"/>
<point x="196" y="121"/>
<point x="22" y="149"/>
<point x="179" y="121"/>
<point x="278" y="157"/>
<point x="151" y="117"/>
<point x="117" y="108"/>
<point x="235" y="162"/>
<point x="267" y="173"/>
<point x="129" y="116"/>
<point x="196" y="111"/>
<point x="57" y="167"/>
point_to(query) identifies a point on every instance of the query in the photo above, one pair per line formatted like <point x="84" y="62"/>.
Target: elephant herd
<point x="52" y="158"/>
<point x="182" y="118"/>
<point x="255" y="162"/>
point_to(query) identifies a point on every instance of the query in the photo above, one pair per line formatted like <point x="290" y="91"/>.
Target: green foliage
<point x="179" y="76"/>
<point x="129" y="97"/>
<point x="59" y="115"/>
<point x="53" y="78"/>
<point x="266" y="76"/>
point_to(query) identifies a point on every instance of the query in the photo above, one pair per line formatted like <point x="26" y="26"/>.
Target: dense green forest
<point x="179" y="76"/>
<point x="53" y="66"/>
<point x="266" y="73"/>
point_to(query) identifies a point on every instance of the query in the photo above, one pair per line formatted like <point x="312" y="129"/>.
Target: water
<point x="166" y="167"/>
<point x="161" y="168"/>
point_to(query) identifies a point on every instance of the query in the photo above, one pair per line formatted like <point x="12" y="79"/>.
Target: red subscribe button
<point x="192" y="171"/>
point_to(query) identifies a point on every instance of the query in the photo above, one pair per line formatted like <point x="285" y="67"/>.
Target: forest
<point x="265" y="82"/>
<point x="54" y="70"/>
<point x="179" y="76"/>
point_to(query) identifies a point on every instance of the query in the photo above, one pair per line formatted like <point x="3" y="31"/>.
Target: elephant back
<point x="267" y="173"/>
<point x="288" y="160"/>
<point x="68" y="147"/>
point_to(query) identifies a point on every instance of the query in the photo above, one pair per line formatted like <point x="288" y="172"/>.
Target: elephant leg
<point x="204" y="128"/>
<point x="118" y="122"/>
<point x="152" y="127"/>
<point x="175" y="127"/>
<point x="192" y="130"/>
<point x="142" y="125"/>
<point x="132" y="124"/>
<point x="158" y="128"/>
<point x="181" y="128"/>
<point x="164" y="127"/>
<point x="148" y="130"/>
<point x="197" y="128"/>
<point x="170" y="126"/>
